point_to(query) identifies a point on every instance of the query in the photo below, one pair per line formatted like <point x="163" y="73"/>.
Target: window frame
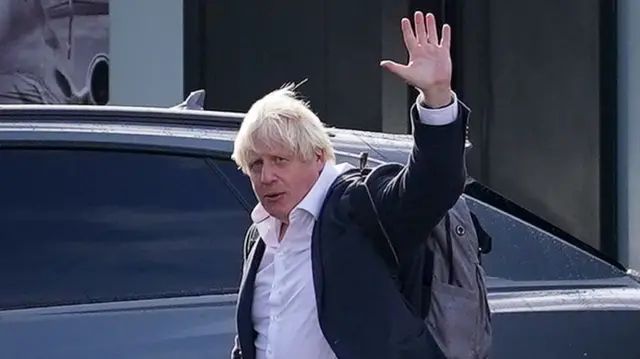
<point x="209" y="156"/>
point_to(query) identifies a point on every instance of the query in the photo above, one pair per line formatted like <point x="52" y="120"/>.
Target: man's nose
<point x="268" y="174"/>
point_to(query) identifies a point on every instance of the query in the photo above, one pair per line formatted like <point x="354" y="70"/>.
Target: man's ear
<point x="320" y="160"/>
<point x="320" y="157"/>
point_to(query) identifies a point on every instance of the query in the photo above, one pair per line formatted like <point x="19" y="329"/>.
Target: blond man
<point x="313" y="287"/>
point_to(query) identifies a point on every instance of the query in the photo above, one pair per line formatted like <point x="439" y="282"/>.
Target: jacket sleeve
<point x="412" y="199"/>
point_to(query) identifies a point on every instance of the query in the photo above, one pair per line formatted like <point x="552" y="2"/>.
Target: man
<point x="314" y="287"/>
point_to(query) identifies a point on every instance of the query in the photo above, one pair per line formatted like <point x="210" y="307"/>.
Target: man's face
<point x="281" y="179"/>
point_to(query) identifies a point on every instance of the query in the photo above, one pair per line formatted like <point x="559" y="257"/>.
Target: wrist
<point x="436" y="98"/>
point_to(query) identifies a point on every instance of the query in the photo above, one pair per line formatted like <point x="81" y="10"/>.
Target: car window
<point x="521" y="252"/>
<point x="239" y="180"/>
<point x="81" y="226"/>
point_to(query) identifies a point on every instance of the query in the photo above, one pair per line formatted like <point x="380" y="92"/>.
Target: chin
<point x="278" y="212"/>
<point x="273" y="209"/>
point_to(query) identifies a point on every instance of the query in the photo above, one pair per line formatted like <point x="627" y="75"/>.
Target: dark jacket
<point x="361" y="312"/>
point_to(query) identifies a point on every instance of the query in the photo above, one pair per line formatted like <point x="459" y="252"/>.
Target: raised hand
<point x="429" y="66"/>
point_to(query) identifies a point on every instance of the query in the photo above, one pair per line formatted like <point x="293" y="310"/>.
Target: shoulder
<point x="460" y="211"/>
<point x="352" y="183"/>
<point x="383" y="173"/>
<point x="348" y="191"/>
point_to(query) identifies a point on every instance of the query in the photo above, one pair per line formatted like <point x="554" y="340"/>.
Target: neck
<point x="283" y="230"/>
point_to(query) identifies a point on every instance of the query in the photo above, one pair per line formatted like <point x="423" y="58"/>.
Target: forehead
<point x="275" y="149"/>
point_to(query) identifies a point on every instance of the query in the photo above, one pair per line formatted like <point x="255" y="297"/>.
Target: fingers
<point x="425" y="31"/>
<point x="410" y="40"/>
<point x="394" y="68"/>
<point x="432" y="32"/>
<point x="421" y="31"/>
<point x="446" y="37"/>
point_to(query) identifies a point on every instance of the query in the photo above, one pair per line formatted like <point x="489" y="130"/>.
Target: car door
<point x="117" y="254"/>
<point x="550" y="299"/>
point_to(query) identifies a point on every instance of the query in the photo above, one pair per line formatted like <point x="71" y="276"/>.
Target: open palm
<point x="429" y="63"/>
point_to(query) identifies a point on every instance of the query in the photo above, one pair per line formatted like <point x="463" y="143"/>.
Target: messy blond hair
<point x="281" y="118"/>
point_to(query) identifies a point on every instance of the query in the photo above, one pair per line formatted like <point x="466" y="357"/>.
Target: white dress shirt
<point x="284" y="308"/>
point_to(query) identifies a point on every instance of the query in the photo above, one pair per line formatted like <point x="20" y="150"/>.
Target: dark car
<point x="121" y="234"/>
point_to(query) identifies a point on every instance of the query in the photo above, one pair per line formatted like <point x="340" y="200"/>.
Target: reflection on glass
<point x="521" y="252"/>
<point x="79" y="226"/>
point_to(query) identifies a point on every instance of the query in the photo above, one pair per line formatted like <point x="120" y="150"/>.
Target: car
<point x="121" y="232"/>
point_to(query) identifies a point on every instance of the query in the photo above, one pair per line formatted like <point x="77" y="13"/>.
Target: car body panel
<point x="549" y="297"/>
<point x="182" y="327"/>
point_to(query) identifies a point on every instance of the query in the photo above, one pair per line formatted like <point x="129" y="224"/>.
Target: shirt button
<point x="460" y="230"/>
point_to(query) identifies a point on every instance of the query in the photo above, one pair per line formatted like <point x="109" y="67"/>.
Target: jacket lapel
<point x="244" y="323"/>
<point x="316" y="266"/>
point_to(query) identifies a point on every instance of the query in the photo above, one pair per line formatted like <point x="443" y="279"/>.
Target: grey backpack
<point x="458" y="314"/>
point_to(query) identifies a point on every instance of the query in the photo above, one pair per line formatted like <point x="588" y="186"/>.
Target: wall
<point x="146" y="49"/>
<point x="629" y="132"/>
<point x="533" y="83"/>
<point x="289" y="41"/>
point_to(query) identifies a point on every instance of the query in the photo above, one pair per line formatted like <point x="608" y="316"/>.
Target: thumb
<point x="394" y="68"/>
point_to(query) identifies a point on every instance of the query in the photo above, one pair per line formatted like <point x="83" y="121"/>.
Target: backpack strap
<point x="383" y="243"/>
<point x="391" y="257"/>
<point x="447" y="224"/>
<point x="250" y="240"/>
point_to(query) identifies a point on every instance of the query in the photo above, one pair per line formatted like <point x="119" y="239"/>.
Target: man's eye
<point x="280" y="159"/>
<point x="254" y="164"/>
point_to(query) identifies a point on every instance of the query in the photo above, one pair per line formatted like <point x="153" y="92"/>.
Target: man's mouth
<point x="273" y="196"/>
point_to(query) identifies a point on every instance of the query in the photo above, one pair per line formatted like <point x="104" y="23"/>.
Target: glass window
<point x="82" y="226"/>
<point x="521" y="252"/>
<point x="239" y="180"/>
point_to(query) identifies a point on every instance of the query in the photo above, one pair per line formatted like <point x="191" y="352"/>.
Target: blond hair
<point x="281" y="118"/>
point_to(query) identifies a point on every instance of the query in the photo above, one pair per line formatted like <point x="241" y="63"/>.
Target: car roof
<point x="168" y="126"/>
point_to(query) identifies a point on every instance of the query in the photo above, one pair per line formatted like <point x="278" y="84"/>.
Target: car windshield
<point x="521" y="252"/>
